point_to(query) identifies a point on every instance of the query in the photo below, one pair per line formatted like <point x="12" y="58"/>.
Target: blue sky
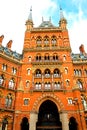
<point x="14" y="13"/>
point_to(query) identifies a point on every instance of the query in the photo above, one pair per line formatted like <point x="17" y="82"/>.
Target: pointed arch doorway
<point x="48" y="117"/>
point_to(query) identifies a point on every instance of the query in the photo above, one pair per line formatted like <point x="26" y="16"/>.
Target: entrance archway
<point x="24" y="124"/>
<point x="48" y="117"/>
<point x="72" y="124"/>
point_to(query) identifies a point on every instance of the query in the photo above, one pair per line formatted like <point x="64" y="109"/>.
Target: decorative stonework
<point x="48" y="96"/>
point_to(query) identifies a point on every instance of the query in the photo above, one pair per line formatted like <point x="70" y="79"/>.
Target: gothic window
<point x="84" y="102"/>
<point x="56" y="73"/>
<point x="67" y="82"/>
<point x="66" y="70"/>
<point x="39" y="41"/>
<point x="8" y="100"/>
<point x="47" y="73"/>
<point x="53" y="41"/>
<point x="14" y="70"/>
<point x="79" y="72"/>
<point x="85" y="72"/>
<point x="11" y="84"/>
<point x="55" y="57"/>
<point x="38" y="73"/>
<point x="27" y="84"/>
<point x="47" y="85"/>
<point x="46" y="41"/>
<point x="26" y="101"/>
<point x="4" y="67"/>
<point x="38" y="86"/>
<point x="28" y="71"/>
<point x="57" y="85"/>
<point x="1" y="80"/>
<point x="46" y="57"/>
<point x="64" y="58"/>
<point x="80" y="84"/>
<point x="38" y="57"/>
<point x="29" y="58"/>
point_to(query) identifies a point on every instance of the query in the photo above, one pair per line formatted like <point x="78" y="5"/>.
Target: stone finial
<point x="9" y="44"/>
<point x="1" y="39"/>
<point x="81" y="48"/>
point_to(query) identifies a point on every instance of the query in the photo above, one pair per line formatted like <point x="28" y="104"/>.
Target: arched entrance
<point x="24" y="124"/>
<point x="72" y="124"/>
<point x="48" y="117"/>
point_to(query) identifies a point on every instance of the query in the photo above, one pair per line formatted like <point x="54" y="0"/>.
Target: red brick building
<point x="45" y="87"/>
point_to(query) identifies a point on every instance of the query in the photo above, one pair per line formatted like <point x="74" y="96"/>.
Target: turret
<point x="29" y="22"/>
<point x="63" y="21"/>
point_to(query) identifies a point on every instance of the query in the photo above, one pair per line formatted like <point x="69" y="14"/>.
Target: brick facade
<point x="45" y="87"/>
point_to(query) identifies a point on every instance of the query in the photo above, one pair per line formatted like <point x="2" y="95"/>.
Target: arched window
<point x="4" y="67"/>
<point x="11" y="84"/>
<point x="38" y="73"/>
<point x="84" y="102"/>
<point x="14" y="70"/>
<point x="47" y="85"/>
<point x="57" y="73"/>
<point x="66" y="70"/>
<point x="38" y="86"/>
<point x="57" y="85"/>
<point x="47" y="73"/>
<point x="53" y="41"/>
<point x="85" y="72"/>
<point x="80" y="84"/>
<point x="55" y="57"/>
<point x="27" y="84"/>
<point x="1" y="80"/>
<point x="8" y="100"/>
<point x="46" y="57"/>
<point x="38" y="57"/>
<point x="67" y="82"/>
<point x="4" y="123"/>
<point x="28" y="71"/>
<point x="46" y="41"/>
<point x="39" y="41"/>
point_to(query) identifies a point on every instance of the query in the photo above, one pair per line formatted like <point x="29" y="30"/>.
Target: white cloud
<point x="14" y="14"/>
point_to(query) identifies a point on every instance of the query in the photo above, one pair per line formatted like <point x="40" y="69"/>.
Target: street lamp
<point x="75" y="102"/>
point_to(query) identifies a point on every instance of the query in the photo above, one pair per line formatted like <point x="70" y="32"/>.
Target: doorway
<point x="24" y="124"/>
<point x="48" y="117"/>
<point x="72" y="124"/>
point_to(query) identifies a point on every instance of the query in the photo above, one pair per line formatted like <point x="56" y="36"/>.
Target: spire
<point x="61" y="14"/>
<point x="63" y="21"/>
<point x="29" y="22"/>
<point x="30" y="15"/>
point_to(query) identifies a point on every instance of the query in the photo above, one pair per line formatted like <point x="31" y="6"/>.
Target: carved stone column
<point x="64" y="120"/>
<point x="33" y="120"/>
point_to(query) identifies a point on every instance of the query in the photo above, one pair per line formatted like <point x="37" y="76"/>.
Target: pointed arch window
<point x="27" y="84"/>
<point x="11" y="84"/>
<point x="57" y="73"/>
<point x="80" y="84"/>
<point x="1" y="80"/>
<point x="38" y="86"/>
<point x="38" y="57"/>
<point x="47" y="73"/>
<point x="14" y="70"/>
<point x="8" y="100"/>
<point x="39" y="41"/>
<point x="57" y="85"/>
<point x="4" y="67"/>
<point x="46" y="41"/>
<point x="38" y="73"/>
<point x="53" y="41"/>
<point x="47" y="85"/>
